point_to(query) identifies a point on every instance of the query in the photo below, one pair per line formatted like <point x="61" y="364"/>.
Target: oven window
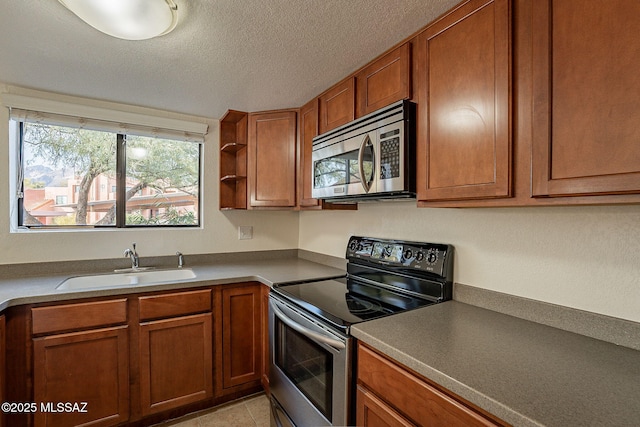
<point x="307" y="365"/>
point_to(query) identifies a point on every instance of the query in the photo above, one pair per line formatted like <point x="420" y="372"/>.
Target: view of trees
<point x="157" y="165"/>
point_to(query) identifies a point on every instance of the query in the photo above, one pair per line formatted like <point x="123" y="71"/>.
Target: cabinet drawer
<point x="78" y="316"/>
<point x="176" y="304"/>
<point x="411" y="396"/>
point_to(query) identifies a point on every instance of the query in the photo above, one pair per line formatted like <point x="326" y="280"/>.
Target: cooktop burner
<point x="359" y="306"/>
<point x="344" y="301"/>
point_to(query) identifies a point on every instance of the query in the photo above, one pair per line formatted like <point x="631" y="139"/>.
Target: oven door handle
<point x="338" y="345"/>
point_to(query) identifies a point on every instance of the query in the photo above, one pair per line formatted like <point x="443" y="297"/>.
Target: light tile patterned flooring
<point x="251" y="411"/>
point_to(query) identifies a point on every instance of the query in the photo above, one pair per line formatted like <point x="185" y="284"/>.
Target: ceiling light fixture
<point x="127" y="19"/>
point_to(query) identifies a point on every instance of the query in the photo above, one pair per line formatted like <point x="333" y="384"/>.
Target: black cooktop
<point x="345" y="301"/>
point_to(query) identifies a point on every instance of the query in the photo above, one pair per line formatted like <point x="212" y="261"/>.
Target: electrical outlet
<point x="245" y="232"/>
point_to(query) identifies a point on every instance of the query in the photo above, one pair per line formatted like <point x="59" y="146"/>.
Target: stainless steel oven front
<point x="310" y="372"/>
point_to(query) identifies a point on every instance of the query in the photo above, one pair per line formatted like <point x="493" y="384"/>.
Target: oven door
<point x="345" y="168"/>
<point x="309" y="377"/>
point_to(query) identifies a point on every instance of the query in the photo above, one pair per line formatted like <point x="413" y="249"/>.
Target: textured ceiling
<point x="247" y="55"/>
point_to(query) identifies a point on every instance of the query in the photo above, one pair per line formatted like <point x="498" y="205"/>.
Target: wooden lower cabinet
<point x="239" y="337"/>
<point x="371" y="411"/>
<point x="176" y="362"/>
<point x="175" y="349"/>
<point x="135" y="360"/>
<point x="89" y="367"/>
<point x="390" y="395"/>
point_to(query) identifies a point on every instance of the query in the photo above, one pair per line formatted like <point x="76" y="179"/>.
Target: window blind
<point x="36" y="110"/>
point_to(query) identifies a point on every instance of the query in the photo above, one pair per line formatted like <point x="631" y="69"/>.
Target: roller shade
<point x="36" y="110"/>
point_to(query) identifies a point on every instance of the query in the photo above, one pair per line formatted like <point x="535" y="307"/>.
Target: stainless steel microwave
<point x="371" y="158"/>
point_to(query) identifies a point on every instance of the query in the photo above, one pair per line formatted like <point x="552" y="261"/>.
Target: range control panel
<point x="433" y="258"/>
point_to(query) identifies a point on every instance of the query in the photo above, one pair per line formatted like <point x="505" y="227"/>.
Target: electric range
<point x="309" y="323"/>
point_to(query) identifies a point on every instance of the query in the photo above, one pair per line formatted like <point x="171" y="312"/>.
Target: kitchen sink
<point x="148" y="277"/>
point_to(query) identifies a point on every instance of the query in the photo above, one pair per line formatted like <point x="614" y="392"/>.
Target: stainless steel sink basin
<point x="148" y="277"/>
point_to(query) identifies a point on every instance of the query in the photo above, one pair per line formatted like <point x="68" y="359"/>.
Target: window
<point x="86" y="171"/>
<point x="160" y="179"/>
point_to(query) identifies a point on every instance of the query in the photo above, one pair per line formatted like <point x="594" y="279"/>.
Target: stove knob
<point x="408" y="253"/>
<point x="353" y="245"/>
<point x="419" y="256"/>
<point x="432" y="257"/>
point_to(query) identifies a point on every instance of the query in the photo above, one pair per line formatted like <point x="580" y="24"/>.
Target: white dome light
<point x="127" y="19"/>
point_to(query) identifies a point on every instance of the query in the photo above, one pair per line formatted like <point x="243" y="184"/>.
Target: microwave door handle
<point x="364" y="183"/>
<point x="338" y="345"/>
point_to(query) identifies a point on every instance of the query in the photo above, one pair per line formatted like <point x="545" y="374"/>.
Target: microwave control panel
<point x="390" y="154"/>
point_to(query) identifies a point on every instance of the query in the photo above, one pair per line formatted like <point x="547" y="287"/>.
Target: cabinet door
<point x="90" y="366"/>
<point x="241" y="335"/>
<point x="176" y="362"/>
<point x="272" y="159"/>
<point x="464" y="129"/>
<point x="308" y="129"/>
<point x="373" y="412"/>
<point x="384" y="81"/>
<point x="337" y="105"/>
<point x="586" y="58"/>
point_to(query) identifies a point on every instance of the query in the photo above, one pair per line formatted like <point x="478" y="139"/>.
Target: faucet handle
<point x="134" y="247"/>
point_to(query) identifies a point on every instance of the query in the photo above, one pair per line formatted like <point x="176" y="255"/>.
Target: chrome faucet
<point x="180" y="259"/>
<point x="134" y="257"/>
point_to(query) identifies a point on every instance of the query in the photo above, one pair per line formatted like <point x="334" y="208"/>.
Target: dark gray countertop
<point x="34" y="289"/>
<point x="526" y="373"/>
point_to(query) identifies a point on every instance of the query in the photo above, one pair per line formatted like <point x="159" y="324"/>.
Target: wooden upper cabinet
<point x="586" y="132"/>
<point x="337" y="105"/>
<point x="384" y="81"/>
<point x="272" y="159"/>
<point x="308" y="129"/>
<point x="464" y="131"/>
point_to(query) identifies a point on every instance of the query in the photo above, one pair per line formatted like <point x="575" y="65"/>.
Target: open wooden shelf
<point x="233" y="160"/>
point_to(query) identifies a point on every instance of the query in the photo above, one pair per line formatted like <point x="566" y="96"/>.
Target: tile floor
<point x="251" y="411"/>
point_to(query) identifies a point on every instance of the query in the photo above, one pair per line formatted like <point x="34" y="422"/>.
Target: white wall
<point x="271" y="230"/>
<point x="582" y="257"/>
